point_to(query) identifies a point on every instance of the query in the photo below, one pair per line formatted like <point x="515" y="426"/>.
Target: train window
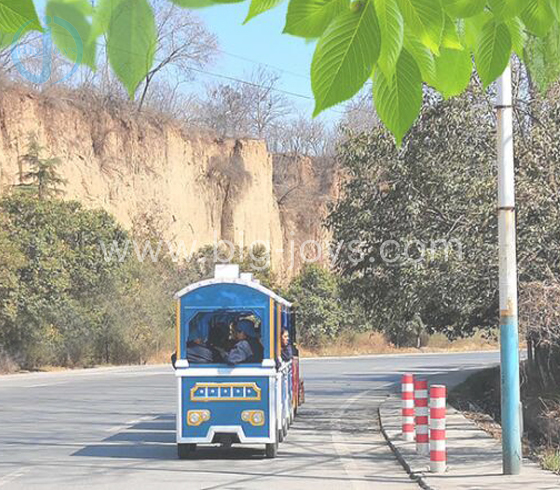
<point x="212" y="337"/>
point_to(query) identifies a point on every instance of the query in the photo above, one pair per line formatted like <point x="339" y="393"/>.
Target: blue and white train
<point x="245" y="403"/>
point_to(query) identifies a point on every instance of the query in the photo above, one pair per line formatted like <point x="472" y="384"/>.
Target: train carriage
<point x="249" y="403"/>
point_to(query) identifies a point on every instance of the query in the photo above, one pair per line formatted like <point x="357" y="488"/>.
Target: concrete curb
<point x="417" y="477"/>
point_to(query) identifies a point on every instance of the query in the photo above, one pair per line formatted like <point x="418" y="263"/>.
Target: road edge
<point x="416" y="477"/>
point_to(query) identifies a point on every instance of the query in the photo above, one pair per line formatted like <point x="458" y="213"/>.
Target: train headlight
<point x="254" y="417"/>
<point x="197" y="417"/>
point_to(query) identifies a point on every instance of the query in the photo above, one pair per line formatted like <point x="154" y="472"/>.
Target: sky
<point x="258" y="42"/>
<point x="262" y="41"/>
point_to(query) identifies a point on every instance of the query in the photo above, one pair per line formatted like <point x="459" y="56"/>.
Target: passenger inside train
<point x="224" y="338"/>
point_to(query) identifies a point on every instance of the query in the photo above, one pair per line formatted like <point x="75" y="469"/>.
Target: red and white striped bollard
<point x="408" y="407"/>
<point x="438" y="450"/>
<point x="421" y="409"/>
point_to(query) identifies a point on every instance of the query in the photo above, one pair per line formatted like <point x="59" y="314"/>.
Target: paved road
<point x="114" y="428"/>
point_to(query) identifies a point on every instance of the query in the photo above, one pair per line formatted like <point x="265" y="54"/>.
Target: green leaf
<point x="74" y="13"/>
<point x="472" y="28"/>
<point x="391" y="24"/>
<point x="493" y="51"/>
<point x="345" y="56"/>
<point x="453" y="71"/>
<point x="518" y="36"/>
<point x="450" y="38"/>
<point x="423" y="57"/>
<point x="463" y="8"/>
<point x="543" y="58"/>
<point x="131" y="42"/>
<point x="6" y="38"/>
<point x="425" y="19"/>
<point x="260" y="6"/>
<point x="15" y="14"/>
<point x="538" y="17"/>
<point x="102" y="17"/>
<point x="398" y="100"/>
<point x="555" y="7"/>
<point x="310" y="18"/>
<point x="506" y="9"/>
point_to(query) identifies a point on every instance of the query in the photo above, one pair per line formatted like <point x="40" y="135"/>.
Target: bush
<point x="65" y="301"/>
<point x="324" y="312"/>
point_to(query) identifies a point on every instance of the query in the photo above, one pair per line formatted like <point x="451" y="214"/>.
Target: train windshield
<point x="212" y="336"/>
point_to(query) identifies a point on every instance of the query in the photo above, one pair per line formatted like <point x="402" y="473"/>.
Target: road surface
<point x="114" y="428"/>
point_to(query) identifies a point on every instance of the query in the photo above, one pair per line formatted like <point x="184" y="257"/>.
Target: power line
<point x="273" y="67"/>
<point x="240" y="80"/>
<point x="231" y="78"/>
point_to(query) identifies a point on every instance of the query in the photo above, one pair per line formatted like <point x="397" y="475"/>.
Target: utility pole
<point x="509" y="332"/>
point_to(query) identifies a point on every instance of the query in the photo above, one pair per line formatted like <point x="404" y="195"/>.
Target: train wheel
<point x="280" y="435"/>
<point x="271" y="450"/>
<point x="185" y="451"/>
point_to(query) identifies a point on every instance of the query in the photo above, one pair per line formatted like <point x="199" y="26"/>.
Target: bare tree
<point x="250" y="108"/>
<point x="359" y="113"/>
<point x="301" y="136"/>
<point x="224" y="111"/>
<point x="184" y="44"/>
<point x="167" y="99"/>
<point x="267" y="105"/>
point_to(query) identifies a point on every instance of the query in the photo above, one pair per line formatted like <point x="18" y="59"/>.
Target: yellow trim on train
<point x="271" y="333"/>
<point x="231" y="386"/>
<point x="178" y="328"/>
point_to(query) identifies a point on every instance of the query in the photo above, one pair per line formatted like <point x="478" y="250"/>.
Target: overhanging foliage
<point x="399" y="44"/>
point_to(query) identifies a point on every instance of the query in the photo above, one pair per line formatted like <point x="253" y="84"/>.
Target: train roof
<point x="229" y="274"/>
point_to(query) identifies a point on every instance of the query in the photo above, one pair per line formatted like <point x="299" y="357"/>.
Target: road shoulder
<point x="474" y="458"/>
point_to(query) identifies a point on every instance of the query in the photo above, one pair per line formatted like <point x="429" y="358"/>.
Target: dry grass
<point x="161" y="357"/>
<point x="479" y="341"/>
<point x="354" y="345"/>
<point x="376" y="343"/>
<point x="550" y="460"/>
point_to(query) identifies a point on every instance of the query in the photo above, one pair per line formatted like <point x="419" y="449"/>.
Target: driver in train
<point x="198" y="351"/>
<point x="247" y="348"/>
<point x="287" y="351"/>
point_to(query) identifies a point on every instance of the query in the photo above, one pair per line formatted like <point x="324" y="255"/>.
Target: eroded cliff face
<point x="199" y="189"/>
<point x="203" y="189"/>
<point x="305" y="187"/>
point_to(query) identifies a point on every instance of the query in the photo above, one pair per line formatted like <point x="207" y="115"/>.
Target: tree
<point x="183" y="44"/>
<point x="41" y="177"/>
<point x="418" y="225"/>
<point x="301" y="136"/>
<point x="248" y="109"/>
<point x="60" y="278"/>
<point x="315" y="293"/>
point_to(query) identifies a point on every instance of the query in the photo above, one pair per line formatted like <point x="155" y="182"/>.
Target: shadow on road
<point x="155" y="440"/>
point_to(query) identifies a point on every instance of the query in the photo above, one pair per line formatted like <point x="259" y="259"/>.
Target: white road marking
<point x="40" y="385"/>
<point x="130" y="424"/>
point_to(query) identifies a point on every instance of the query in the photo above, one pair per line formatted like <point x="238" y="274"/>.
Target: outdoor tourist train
<point x="237" y="365"/>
